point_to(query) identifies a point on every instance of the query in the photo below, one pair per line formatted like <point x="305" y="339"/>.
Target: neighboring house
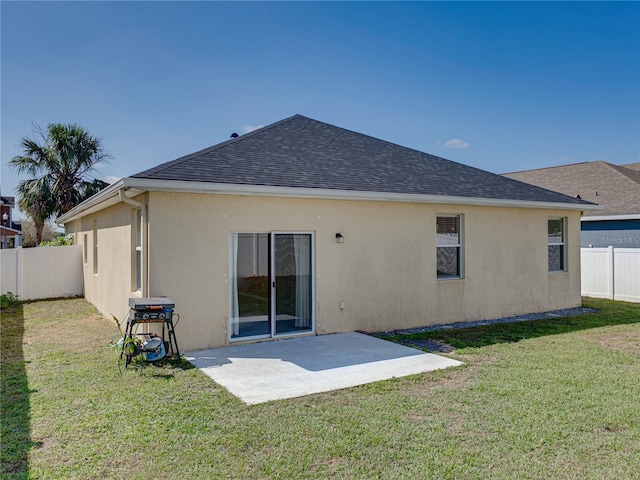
<point x="301" y="227"/>
<point x="615" y="187"/>
<point x="10" y="231"/>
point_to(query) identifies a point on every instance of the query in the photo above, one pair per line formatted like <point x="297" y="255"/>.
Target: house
<point x="10" y="231"/>
<point x="615" y="187"/>
<point x="302" y="227"/>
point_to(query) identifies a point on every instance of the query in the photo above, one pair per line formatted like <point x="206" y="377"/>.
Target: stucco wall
<point x="110" y="288"/>
<point x="385" y="271"/>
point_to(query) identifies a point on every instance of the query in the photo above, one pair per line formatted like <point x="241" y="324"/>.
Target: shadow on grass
<point x="14" y="396"/>
<point x="160" y="368"/>
<point x="609" y="313"/>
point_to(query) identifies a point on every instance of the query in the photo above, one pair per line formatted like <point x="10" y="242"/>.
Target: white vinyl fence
<point x="49" y="272"/>
<point x="44" y="272"/>
<point x="611" y="273"/>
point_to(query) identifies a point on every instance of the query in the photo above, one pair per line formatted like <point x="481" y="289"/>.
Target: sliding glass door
<point x="292" y="282"/>
<point x="249" y="282"/>
<point x="271" y="284"/>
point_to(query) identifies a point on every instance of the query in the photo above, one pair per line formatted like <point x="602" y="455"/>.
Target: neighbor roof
<point x="10" y="201"/>
<point x="632" y="166"/>
<point x="299" y="152"/>
<point x="301" y="157"/>
<point x="615" y="187"/>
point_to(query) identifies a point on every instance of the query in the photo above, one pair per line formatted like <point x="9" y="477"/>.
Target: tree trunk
<point x="39" y="227"/>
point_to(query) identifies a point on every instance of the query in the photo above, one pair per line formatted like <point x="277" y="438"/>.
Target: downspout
<point x="144" y="283"/>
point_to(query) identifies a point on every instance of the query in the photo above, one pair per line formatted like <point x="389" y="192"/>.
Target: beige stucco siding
<point x="384" y="272"/>
<point x="110" y="288"/>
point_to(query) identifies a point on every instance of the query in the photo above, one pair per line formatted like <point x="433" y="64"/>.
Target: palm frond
<point x="64" y="160"/>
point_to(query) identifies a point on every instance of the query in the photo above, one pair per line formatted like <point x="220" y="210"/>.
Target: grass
<point x="546" y="399"/>
<point x="611" y="313"/>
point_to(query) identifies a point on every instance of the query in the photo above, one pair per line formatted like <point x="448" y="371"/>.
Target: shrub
<point x="9" y="300"/>
<point x="60" y="241"/>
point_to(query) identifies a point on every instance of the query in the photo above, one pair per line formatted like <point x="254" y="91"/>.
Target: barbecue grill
<point x="153" y="310"/>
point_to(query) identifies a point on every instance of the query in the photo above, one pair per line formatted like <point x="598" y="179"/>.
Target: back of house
<point x="305" y="228"/>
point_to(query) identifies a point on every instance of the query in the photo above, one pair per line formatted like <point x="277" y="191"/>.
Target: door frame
<point x="272" y="290"/>
<point x="272" y="269"/>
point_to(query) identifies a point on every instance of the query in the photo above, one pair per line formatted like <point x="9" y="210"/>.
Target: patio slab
<point x="260" y="372"/>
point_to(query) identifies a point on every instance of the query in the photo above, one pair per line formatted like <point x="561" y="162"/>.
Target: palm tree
<point x="89" y="189"/>
<point x="36" y="200"/>
<point x="62" y="166"/>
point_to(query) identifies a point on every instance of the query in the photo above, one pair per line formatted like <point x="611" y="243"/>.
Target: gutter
<point x="144" y="243"/>
<point x="109" y="193"/>
<point x="595" y="218"/>
<point x="110" y="196"/>
<point x="303" y="192"/>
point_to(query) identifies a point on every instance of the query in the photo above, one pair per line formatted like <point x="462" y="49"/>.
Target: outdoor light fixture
<point x="5" y="217"/>
<point x="339" y="238"/>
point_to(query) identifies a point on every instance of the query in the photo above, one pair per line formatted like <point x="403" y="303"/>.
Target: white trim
<point x="144" y="242"/>
<point x="610" y="217"/>
<point x="268" y="190"/>
<point x="459" y="217"/>
<point x="563" y="244"/>
<point x="103" y="199"/>
<point x="272" y="290"/>
<point x="135" y="186"/>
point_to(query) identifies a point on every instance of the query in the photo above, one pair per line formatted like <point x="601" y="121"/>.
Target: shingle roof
<point x="615" y="187"/>
<point x="305" y="153"/>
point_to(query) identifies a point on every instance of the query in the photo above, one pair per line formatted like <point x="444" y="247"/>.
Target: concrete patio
<point x="294" y="367"/>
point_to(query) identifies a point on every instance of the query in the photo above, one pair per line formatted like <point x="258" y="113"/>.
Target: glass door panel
<point x="250" y="292"/>
<point x="292" y="298"/>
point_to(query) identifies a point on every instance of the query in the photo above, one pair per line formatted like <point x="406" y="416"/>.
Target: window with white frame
<point x="137" y="242"/>
<point x="95" y="247"/>
<point x="556" y="244"/>
<point x="449" y="246"/>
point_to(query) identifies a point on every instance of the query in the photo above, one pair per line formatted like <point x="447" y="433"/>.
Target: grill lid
<point x="150" y="304"/>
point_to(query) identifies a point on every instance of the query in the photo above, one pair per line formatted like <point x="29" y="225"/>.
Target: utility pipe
<point x="144" y="283"/>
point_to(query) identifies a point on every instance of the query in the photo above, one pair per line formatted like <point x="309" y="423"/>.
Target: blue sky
<point x="499" y="86"/>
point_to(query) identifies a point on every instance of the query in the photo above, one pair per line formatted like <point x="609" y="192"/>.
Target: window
<point x="449" y="246"/>
<point x="85" y="249"/>
<point x="556" y="244"/>
<point x="95" y="247"/>
<point x="137" y="244"/>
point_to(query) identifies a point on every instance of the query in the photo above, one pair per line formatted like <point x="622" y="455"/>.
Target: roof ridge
<point x="555" y="166"/>
<point x="301" y="152"/>
<point x="633" y="175"/>
<point x="420" y="152"/>
<point x="631" y="166"/>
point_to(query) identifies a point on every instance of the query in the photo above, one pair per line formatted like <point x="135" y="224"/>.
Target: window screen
<point x="449" y="246"/>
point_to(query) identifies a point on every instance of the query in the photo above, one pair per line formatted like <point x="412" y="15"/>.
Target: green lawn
<point x="545" y="399"/>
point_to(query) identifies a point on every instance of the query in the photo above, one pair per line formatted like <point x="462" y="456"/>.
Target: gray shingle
<point x="305" y="153"/>
<point x="615" y="187"/>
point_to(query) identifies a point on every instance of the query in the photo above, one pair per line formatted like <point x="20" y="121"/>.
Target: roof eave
<point x="13" y="230"/>
<point x="269" y="190"/>
<point x="596" y="218"/>
<point x="135" y="186"/>
<point x="103" y="199"/>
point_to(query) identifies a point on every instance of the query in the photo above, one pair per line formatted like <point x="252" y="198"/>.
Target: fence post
<point x="17" y="250"/>
<point x="610" y="264"/>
